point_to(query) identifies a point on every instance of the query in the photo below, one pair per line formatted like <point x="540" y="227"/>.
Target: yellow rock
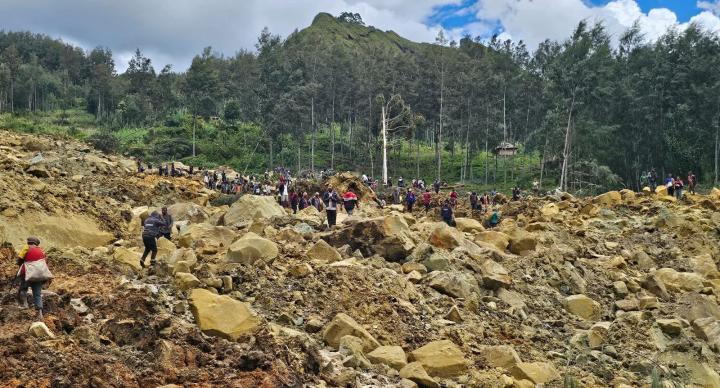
<point x="343" y="325"/>
<point x="611" y="198"/>
<point x="185" y="281"/>
<point x="221" y="315"/>
<point x="498" y="239"/>
<point x="583" y="307"/>
<point x="322" y="251"/>
<point x="469" y="225"/>
<point x="441" y="358"/>
<point x="127" y="257"/>
<point x="502" y="356"/>
<point x="250" y="207"/>
<point x="414" y="371"/>
<point x="392" y="356"/>
<point x="252" y="248"/>
<point x="679" y="281"/>
<point x="537" y="372"/>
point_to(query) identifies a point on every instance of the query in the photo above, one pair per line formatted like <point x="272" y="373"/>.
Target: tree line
<point x="598" y="112"/>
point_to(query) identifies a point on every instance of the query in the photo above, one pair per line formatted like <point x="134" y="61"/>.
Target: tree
<point x="395" y="116"/>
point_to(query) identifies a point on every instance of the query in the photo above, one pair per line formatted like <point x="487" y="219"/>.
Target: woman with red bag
<point x="33" y="273"/>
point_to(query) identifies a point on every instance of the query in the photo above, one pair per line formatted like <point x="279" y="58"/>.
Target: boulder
<point x="250" y="207"/>
<point x="708" y="329"/>
<point x="598" y="334"/>
<point x="536" y="372"/>
<point x="185" y="281"/>
<point x="521" y="242"/>
<point x="550" y="210"/>
<point x="441" y="358"/>
<point x="188" y="211"/>
<point x="124" y="256"/>
<point x="300" y="270"/>
<point x="388" y="237"/>
<point x="252" y="248"/>
<point x="322" y="251"/>
<point x="185" y="255"/>
<point x="343" y="325"/>
<point x="454" y="284"/>
<point x="39" y="170"/>
<point x="497" y="239"/>
<point x="221" y="315"/>
<point x="352" y="348"/>
<point x="583" y="307"/>
<point x="670" y="326"/>
<point x="311" y="216"/>
<point x="468" y="225"/>
<point x="392" y="356"/>
<point x="611" y="198"/>
<point x="40" y="331"/>
<point x="415" y="372"/>
<point x="705" y="266"/>
<point x="206" y="235"/>
<point x="502" y="356"/>
<point x="695" y="306"/>
<point x="494" y="275"/>
<point x="679" y="281"/>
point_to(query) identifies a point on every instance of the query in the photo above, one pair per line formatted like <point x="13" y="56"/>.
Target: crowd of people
<point x="673" y="186"/>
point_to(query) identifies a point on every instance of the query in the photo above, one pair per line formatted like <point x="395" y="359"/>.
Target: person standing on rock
<point x="436" y="186"/>
<point x="304" y="201"/>
<point x="317" y="201"/>
<point x="446" y="213"/>
<point x="396" y="196"/>
<point x="33" y="273"/>
<point x="294" y="201"/>
<point x="410" y="199"/>
<point x="168" y="222"/>
<point x="152" y="230"/>
<point x="453" y="198"/>
<point x="670" y="185"/>
<point x="331" y="206"/>
<point x="679" y="186"/>
<point x="427" y="199"/>
<point x="350" y="201"/>
<point x="691" y="181"/>
<point x="652" y="180"/>
<point x="473" y="202"/>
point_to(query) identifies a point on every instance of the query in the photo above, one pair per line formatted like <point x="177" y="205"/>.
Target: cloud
<point x="173" y="31"/>
<point x="533" y="21"/>
<point x="712" y="6"/>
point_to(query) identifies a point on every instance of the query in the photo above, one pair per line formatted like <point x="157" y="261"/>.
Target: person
<point x="350" y="201"/>
<point x="427" y="198"/>
<point x="396" y="196"/>
<point x="167" y="219"/>
<point x="678" y="185"/>
<point x="173" y="171"/>
<point x="516" y="193"/>
<point x="410" y="200"/>
<point x="453" y="198"/>
<point x="494" y="219"/>
<point x="652" y="180"/>
<point x="473" y="202"/>
<point x="317" y="201"/>
<point x="365" y="179"/>
<point x="484" y="202"/>
<point x="331" y="206"/>
<point x="401" y="182"/>
<point x="670" y="185"/>
<point x="493" y="193"/>
<point x="691" y="181"/>
<point x="304" y="201"/>
<point x="31" y="253"/>
<point x="206" y="179"/>
<point x="151" y="231"/>
<point x="294" y="201"/>
<point x="446" y="213"/>
<point x="436" y="186"/>
<point x="536" y="187"/>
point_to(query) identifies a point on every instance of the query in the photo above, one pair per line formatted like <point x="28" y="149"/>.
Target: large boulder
<point x="494" y="275"/>
<point x="343" y="325"/>
<point x="252" y="248"/>
<point x="469" y="225"/>
<point x="521" y="242"/>
<point x="188" y="211"/>
<point x="454" y="284"/>
<point x="127" y="257"/>
<point x="450" y="238"/>
<point x="390" y="236"/>
<point x="221" y="315"/>
<point x="250" y="207"/>
<point x="536" y="372"/>
<point x="206" y="235"/>
<point x="501" y="356"/>
<point x="415" y="372"/>
<point x="611" y="198"/>
<point x="441" y="358"/>
<point x="392" y="356"/>
<point x="322" y="251"/>
<point x="186" y="281"/>
<point x="311" y="216"/>
<point x="497" y="239"/>
<point x="679" y="281"/>
<point x="584" y="307"/>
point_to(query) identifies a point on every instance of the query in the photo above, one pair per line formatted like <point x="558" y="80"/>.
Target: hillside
<point x="618" y="290"/>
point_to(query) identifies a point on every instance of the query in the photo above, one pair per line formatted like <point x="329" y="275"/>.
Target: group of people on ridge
<point x="673" y="186"/>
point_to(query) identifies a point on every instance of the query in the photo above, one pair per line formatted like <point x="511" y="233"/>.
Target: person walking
<point x="396" y="196"/>
<point x="691" y="181"/>
<point x="446" y="213"/>
<point x="167" y="219"/>
<point x="304" y="201"/>
<point x="670" y="185"/>
<point x="436" y="186"/>
<point x="453" y="198"/>
<point x="679" y="186"/>
<point x="427" y="199"/>
<point x="294" y="201"/>
<point x="410" y="200"/>
<point x="33" y="273"/>
<point x="152" y="228"/>
<point x="331" y="206"/>
<point x="474" y="200"/>
<point x="652" y="180"/>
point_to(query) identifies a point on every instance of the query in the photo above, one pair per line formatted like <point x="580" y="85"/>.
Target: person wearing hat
<point x="30" y="253"/>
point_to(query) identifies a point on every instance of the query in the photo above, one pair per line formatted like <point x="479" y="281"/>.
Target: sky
<point x="173" y="31"/>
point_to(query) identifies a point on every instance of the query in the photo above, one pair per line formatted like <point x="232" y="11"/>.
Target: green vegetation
<point x="586" y="114"/>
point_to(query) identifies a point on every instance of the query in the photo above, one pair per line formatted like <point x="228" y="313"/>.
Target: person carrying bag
<point x="33" y="273"/>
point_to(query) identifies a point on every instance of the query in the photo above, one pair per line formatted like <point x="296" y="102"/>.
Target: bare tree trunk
<point x="384" y="147"/>
<point x="332" y="142"/>
<point x="487" y="135"/>
<point x="312" y="141"/>
<point x="439" y="139"/>
<point x="566" y="150"/>
<point x="717" y="149"/>
<point x="542" y="162"/>
<point x="467" y="145"/>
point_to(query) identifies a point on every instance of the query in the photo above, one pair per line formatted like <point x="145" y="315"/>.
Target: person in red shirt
<point x="350" y="201"/>
<point x="453" y="198"/>
<point x="427" y="198"/>
<point x="691" y="181"/>
<point x="32" y="252"/>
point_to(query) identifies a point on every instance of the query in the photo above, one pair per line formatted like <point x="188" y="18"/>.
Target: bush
<point x="104" y="141"/>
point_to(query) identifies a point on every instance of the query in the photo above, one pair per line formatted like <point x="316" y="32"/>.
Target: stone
<point x="647" y="302"/>
<point x="392" y="356"/>
<point x="695" y="306"/>
<point x="343" y="325"/>
<point x="521" y="242"/>
<point x="251" y="207"/>
<point x="300" y="270"/>
<point x="39" y="171"/>
<point x="494" y="275"/>
<point x="454" y="284"/>
<point x="310" y="216"/>
<point x="185" y="281"/>
<point x="536" y="372"/>
<point x="549" y="210"/>
<point x="441" y="358"/>
<point x="583" y="307"/>
<point x="197" y="235"/>
<point x="322" y="251"/>
<point x="670" y="326"/>
<point x="437" y="261"/>
<point x="78" y="305"/>
<point x="227" y="283"/>
<point x="415" y="372"/>
<point x="221" y="315"/>
<point x="627" y="304"/>
<point x="250" y="249"/>
<point x="516" y="300"/>
<point x="126" y="257"/>
<point x="188" y="211"/>
<point x="40" y="331"/>
<point x="654" y="285"/>
<point x="501" y="356"/>
<point x="709" y="330"/>
<point x="389" y="237"/>
<point x="705" y="266"/>
<point x="454" y="315"/>
<point x="468" y="225"/>
<point x="611" y="198"/>
<point x="497" y="239"/>
<point x="414" y="266"/>
<point x="679" y="281"/>
<point x="598" y="334"/>
<point x="352" y="348"/>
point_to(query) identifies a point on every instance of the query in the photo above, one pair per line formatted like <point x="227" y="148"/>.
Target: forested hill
<point x="607" y="108"/>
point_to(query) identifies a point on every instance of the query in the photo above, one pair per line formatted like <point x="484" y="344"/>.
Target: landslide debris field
<point x="605" y="291"/>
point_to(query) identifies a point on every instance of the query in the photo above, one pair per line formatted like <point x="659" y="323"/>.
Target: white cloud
<point x="533" y="21"/>
<point x="710" y="6"/>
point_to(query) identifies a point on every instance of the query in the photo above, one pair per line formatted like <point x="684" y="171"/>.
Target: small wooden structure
<point x="505" y="149"/>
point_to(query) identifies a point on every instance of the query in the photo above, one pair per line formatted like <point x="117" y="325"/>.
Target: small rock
<point x="40" y="330"/>
<point x="441" y="358"/>
<point x="392" y="356"/>
<point x="583" y="307"/>
<point x="415" y="372"/>
<point x="670" y="326"/>
<point x="301" y="270"/>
